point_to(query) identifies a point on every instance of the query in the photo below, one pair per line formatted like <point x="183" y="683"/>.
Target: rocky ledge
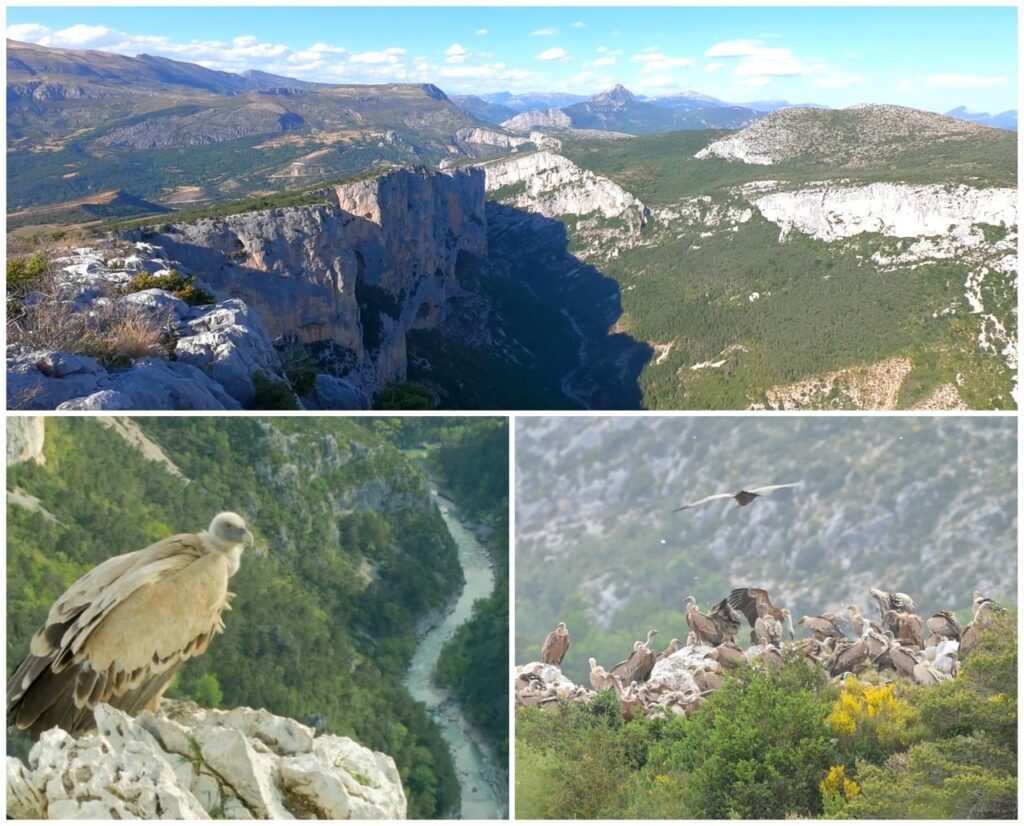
<point x="197" y="764"/>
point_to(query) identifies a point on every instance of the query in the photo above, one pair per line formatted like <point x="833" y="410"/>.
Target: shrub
<point x="871" y="721"/>
<point x="405" y="396"/>
<point x="272" y="395"/>
<point x="23" y="272"/>
<point x="181" y="286"/>
<point x="112" y="332"/>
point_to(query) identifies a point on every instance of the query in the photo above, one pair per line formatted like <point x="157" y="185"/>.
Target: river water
<point x="483" y="792"/>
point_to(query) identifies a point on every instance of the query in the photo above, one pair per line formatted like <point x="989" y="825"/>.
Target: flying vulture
<point x="742" y="497"/>
<point x="121" y="632"/>
<point x="746" y="600"/>
<point x="555" y="645"/>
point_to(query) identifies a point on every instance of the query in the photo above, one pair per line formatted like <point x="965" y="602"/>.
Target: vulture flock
<point x="898" y="643"/>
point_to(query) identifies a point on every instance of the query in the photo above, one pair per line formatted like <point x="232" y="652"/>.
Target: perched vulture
<point x="849" y="657"/>
<point x="729" y="654"/>
<point x="555" y="645"/>
<point x="702" y="625"/>
<point x="122" y="631"/>
<point x="944" y="624"/>
<point x="746" y="601"/>
<point x="823" y="627"/>
<point x="907" y="628"/>
<point x="892" y="602"/>
<point x="727" y="619"/>
<point x="742" y="497"/>
<point x="767" y="629"/>
<point x="673" y="646"/>
<point x="638" y="666"/>
<point x="860" y="623"/>
<point x="903" y="660"/>
<point x="599" y="678"/>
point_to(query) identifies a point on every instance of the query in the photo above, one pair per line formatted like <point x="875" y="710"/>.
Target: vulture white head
<point x="229" y="536"/>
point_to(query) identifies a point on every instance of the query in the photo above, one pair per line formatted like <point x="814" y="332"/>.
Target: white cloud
<point x="480" y="32"/>
<point x="602" y="49"/>
<point x="754" y="82"/>
<point x="83" y="36"/>
<point x="29" y="33"/>
<point x="733" y="48"/>
<point x="544" y="32"/>
<point x="714" y="66"/>
<point x="853" y="54"/>
<point x="655" y="61"/>
<point x="391" y="56"/>
<point x="456" y="54"/>
<point x="607" y="60"/>
<point x="905" y="85"/>
<point x="553" y="54"/>
<point x="579" y="24"/>
<point x="963" y="81"/>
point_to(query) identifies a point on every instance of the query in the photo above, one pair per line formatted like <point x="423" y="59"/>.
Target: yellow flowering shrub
<point x="871" y="719"/>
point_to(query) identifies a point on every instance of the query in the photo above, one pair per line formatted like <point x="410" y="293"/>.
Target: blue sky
<point x="930" y="58"/>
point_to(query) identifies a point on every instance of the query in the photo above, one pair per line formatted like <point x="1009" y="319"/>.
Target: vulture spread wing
<point x="119" y="634"/>
<point x="705" y="500"/>
<point x="761" y="491"/>
<point x="746" y="600"/>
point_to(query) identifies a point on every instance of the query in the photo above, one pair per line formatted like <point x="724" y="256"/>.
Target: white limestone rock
<point x="195" y="763"/>
<point x="830" y="212"/>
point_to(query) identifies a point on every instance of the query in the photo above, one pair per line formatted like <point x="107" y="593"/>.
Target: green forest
<point x="350" y="554"/>
<point x="787" y="743"/>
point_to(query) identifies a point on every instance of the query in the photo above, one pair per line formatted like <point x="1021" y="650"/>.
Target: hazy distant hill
<point x="925" y="506"/>
<point x="1003" y="120"/>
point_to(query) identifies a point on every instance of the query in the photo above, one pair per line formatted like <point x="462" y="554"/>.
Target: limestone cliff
<point x="197" y="764"/>
<point x="375" y="261"/>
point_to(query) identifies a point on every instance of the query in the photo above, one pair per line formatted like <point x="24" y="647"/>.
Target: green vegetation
<point x="23" y="274"/>
<point x="405" y="395"/>
<point x="310" y="635"/>
<point x="784" y="744"/>
<point x="272" y="394"/>
<point x="181" y="286"/>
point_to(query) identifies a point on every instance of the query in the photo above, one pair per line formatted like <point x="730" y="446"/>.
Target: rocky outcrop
<point x="198" y="764"/>
<point x="554" y="186"/>
<point x="489" y="137"/>
<point x="539" y="118"/>
<point x="831" y="211"/>
<point x="25" y="438"/>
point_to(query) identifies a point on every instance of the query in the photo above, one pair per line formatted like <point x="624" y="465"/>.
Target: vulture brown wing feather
<point x="123" y="629"/>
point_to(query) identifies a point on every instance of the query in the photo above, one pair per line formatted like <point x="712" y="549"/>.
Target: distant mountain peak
<point x="618" y="95"/>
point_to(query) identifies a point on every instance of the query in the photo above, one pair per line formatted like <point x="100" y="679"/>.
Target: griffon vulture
<point x="702" y="625"/>
<point x="944" y="624"/>
<point x="727" y="619"/>
<point x="121" y="632"/>
<point x="894" y="601"/>
<point x="746" y="601"/>
<point x="742" y="497"/>
<point x="638" y="666"/>
<point x="555" y="645"/>
<point x="823" y="627"/>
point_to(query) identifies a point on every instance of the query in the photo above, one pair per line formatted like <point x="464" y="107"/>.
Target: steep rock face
<point x="833" y="211"/>
<point x="552" y="185"/>
<point x="489" y="137"/>
<point x="546" y="118"/>
<point x="193" y="763"/>
<point x="25" y="438"/>
<point x="375" y="262"/>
